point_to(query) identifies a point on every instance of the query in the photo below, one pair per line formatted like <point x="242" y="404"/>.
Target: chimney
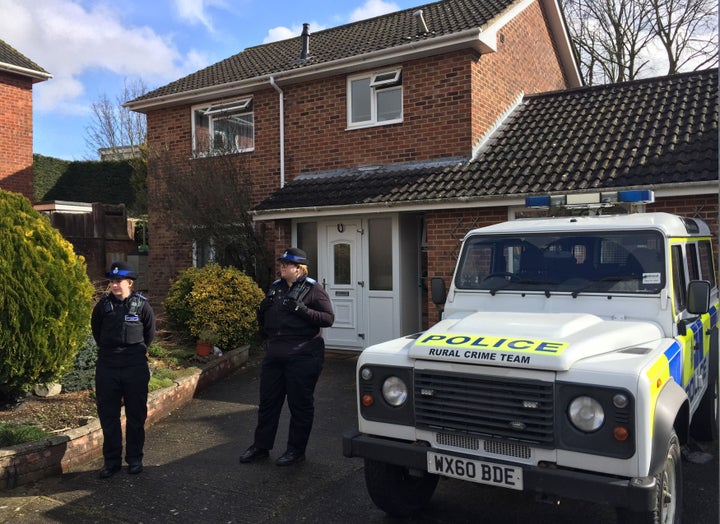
<point x="305" y="39"/>
<point x="422" y="27"/>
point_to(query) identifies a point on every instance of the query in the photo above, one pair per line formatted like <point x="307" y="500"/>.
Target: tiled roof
<point x="12" y="57"/>
<point x="642" y="133"/>
<point x="379" y="33"/>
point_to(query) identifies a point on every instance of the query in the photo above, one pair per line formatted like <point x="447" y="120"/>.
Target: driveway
<point x="192" y="474"/>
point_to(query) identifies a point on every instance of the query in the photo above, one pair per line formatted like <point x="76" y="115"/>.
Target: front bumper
<point x="635" y="494"/>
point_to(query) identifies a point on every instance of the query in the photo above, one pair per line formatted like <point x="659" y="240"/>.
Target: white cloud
<point x="280" y="33"/>
<point x="369" y="9"/>
<point x="195" y="11"/>
<point x="373" y="8"/>
<point x="70" y="38"/>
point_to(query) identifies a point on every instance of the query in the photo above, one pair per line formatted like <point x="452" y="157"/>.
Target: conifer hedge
<point x="45" y="298"/>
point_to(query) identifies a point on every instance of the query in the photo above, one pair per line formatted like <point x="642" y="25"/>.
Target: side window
<point x="375" y="99"/>
<point x="707" y="269"/>
<point x="203" y="253"/>
<point x="691" y="255"/>
<point x="223" y="128"/>
<point x="679" y="282"/>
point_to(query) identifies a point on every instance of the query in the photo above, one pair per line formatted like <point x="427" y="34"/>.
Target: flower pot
<point x="203" y="349"/>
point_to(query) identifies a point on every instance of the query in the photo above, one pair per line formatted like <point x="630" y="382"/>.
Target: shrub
<point x="45" y="298"/>
<point x="82" y="376"/>
<point x="223" y="300"/>
<point x="12" y="434"/>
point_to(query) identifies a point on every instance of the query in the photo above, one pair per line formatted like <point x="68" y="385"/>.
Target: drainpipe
<point x="282" y="131"/>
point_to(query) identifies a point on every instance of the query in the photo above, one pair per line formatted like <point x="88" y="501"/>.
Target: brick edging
<point x="67" y="451"/>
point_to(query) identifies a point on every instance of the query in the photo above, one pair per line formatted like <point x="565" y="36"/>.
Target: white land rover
<point x="574" y="357"/>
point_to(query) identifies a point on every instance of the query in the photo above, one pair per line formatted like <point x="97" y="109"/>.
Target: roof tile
<point x="643" y="133"/>
<point x="346" y="41"/>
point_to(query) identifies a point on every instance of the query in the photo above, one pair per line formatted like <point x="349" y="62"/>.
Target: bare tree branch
<point x="116" y="128"/>
<point x="618" y="40"/>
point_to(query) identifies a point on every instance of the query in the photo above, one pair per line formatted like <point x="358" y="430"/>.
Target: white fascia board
<point x="669" y="190"/>
<point x="60" y="206"/>
<point x="562" y="41"/>
<point x="39" y="76"/>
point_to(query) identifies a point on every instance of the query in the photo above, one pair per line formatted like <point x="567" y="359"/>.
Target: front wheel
<point x="396" y="490"/>
<point x="668" y="492"/>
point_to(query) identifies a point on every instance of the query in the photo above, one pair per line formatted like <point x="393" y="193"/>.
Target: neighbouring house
<point x="18" y="74"/>
<point x="375" y="146"/>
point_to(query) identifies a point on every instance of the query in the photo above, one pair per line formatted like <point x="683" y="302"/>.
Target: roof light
<point x="634" y="196"/>
<point x="639" y="196"/>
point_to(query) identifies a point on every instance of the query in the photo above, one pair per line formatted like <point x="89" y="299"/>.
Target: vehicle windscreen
<point x="622" y="262"/>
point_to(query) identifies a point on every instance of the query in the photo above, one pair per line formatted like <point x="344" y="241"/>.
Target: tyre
<point x="668" y="492"/>
<point x="704" y="425"/>
<point x="396" y="490"/>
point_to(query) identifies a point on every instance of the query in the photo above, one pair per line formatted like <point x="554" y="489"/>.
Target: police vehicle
<point x="574" y="357"/>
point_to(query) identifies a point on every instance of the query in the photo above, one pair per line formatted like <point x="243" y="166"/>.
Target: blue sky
<point x="91" y="47"/>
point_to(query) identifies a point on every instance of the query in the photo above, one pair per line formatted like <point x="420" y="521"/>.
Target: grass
<point x="12" y="434"/>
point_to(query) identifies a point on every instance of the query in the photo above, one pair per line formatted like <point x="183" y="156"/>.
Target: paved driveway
<point x="192" y="474"/>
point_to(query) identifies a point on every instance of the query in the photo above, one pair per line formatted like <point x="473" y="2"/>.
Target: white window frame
<point x="217" y="111"/>
<point x="379" y="81"/>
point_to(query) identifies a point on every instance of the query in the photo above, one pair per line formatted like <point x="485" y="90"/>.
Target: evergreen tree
<point x="45" y="298"/>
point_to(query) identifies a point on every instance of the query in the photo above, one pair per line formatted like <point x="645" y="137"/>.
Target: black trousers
<point x="113" y="386"/>
<point x="293" y="377"/>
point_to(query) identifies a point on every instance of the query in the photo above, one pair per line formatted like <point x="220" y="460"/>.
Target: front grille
<point x="490" y="407"/>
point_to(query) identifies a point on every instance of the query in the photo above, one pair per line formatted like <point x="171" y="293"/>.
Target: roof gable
<point x="643" y="133"/>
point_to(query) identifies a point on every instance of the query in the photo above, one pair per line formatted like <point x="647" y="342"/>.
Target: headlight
<point x="586" y="414"/>
<point x="394" y="391"/>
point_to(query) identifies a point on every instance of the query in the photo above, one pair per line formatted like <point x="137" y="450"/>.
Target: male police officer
<point x="123" y="325"/>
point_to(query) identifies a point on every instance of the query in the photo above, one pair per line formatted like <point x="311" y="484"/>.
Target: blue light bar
<point x="538" y="201"/>
<point x="637" y="196"/>
<point x="592" y="200"/>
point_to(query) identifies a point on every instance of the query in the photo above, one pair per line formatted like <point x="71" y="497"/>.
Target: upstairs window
<point x="223" y="128"/>
<point x="375" y="99"/>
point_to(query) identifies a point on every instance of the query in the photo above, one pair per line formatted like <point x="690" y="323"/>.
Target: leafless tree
<point x="117" y="133"/>
<point x="208" y="202"/>
<point x="620" y="40"/>
<point x="116" y="129"/>
<point x="688" y="32"/>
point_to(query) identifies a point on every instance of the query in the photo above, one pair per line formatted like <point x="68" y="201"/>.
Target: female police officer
<point x="290" y="317"/>
<point x="123" y="325"/>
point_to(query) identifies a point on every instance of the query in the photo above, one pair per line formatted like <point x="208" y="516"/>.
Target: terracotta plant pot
<point x="203" y="349"/>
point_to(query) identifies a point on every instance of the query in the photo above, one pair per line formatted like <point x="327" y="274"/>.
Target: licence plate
<point x="475" y="471"/>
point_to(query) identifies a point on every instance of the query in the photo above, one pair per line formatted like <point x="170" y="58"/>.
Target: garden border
<point x="69" y="450"/>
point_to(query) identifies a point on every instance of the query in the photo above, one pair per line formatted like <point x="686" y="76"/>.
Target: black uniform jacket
<point x="290" y="330"/>
<point x="123" y="330"/>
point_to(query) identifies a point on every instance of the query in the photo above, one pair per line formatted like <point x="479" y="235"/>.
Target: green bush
<point x="45" y="298"/>
<point x="223" y="300"/>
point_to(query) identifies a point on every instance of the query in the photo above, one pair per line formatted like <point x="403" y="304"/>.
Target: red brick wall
<point x="16" y="134"/>
<point x="525" y="62"/>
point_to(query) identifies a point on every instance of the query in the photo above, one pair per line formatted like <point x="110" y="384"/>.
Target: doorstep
<point x="69" y="450"/>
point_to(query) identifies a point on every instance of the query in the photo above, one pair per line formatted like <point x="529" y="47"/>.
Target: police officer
<point x="123" y="325"/>
<point x="291" y="317"/>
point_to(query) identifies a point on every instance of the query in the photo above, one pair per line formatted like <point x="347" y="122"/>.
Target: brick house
<point x="376" y="145"/>
<point x="17" y="76"/>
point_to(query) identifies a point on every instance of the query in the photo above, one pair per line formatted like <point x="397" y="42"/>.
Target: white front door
<point x="343" y="281"/>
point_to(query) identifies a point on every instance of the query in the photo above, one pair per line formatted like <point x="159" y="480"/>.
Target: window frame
<point x="379" y="82"/>
<point x="220" y="111"/>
